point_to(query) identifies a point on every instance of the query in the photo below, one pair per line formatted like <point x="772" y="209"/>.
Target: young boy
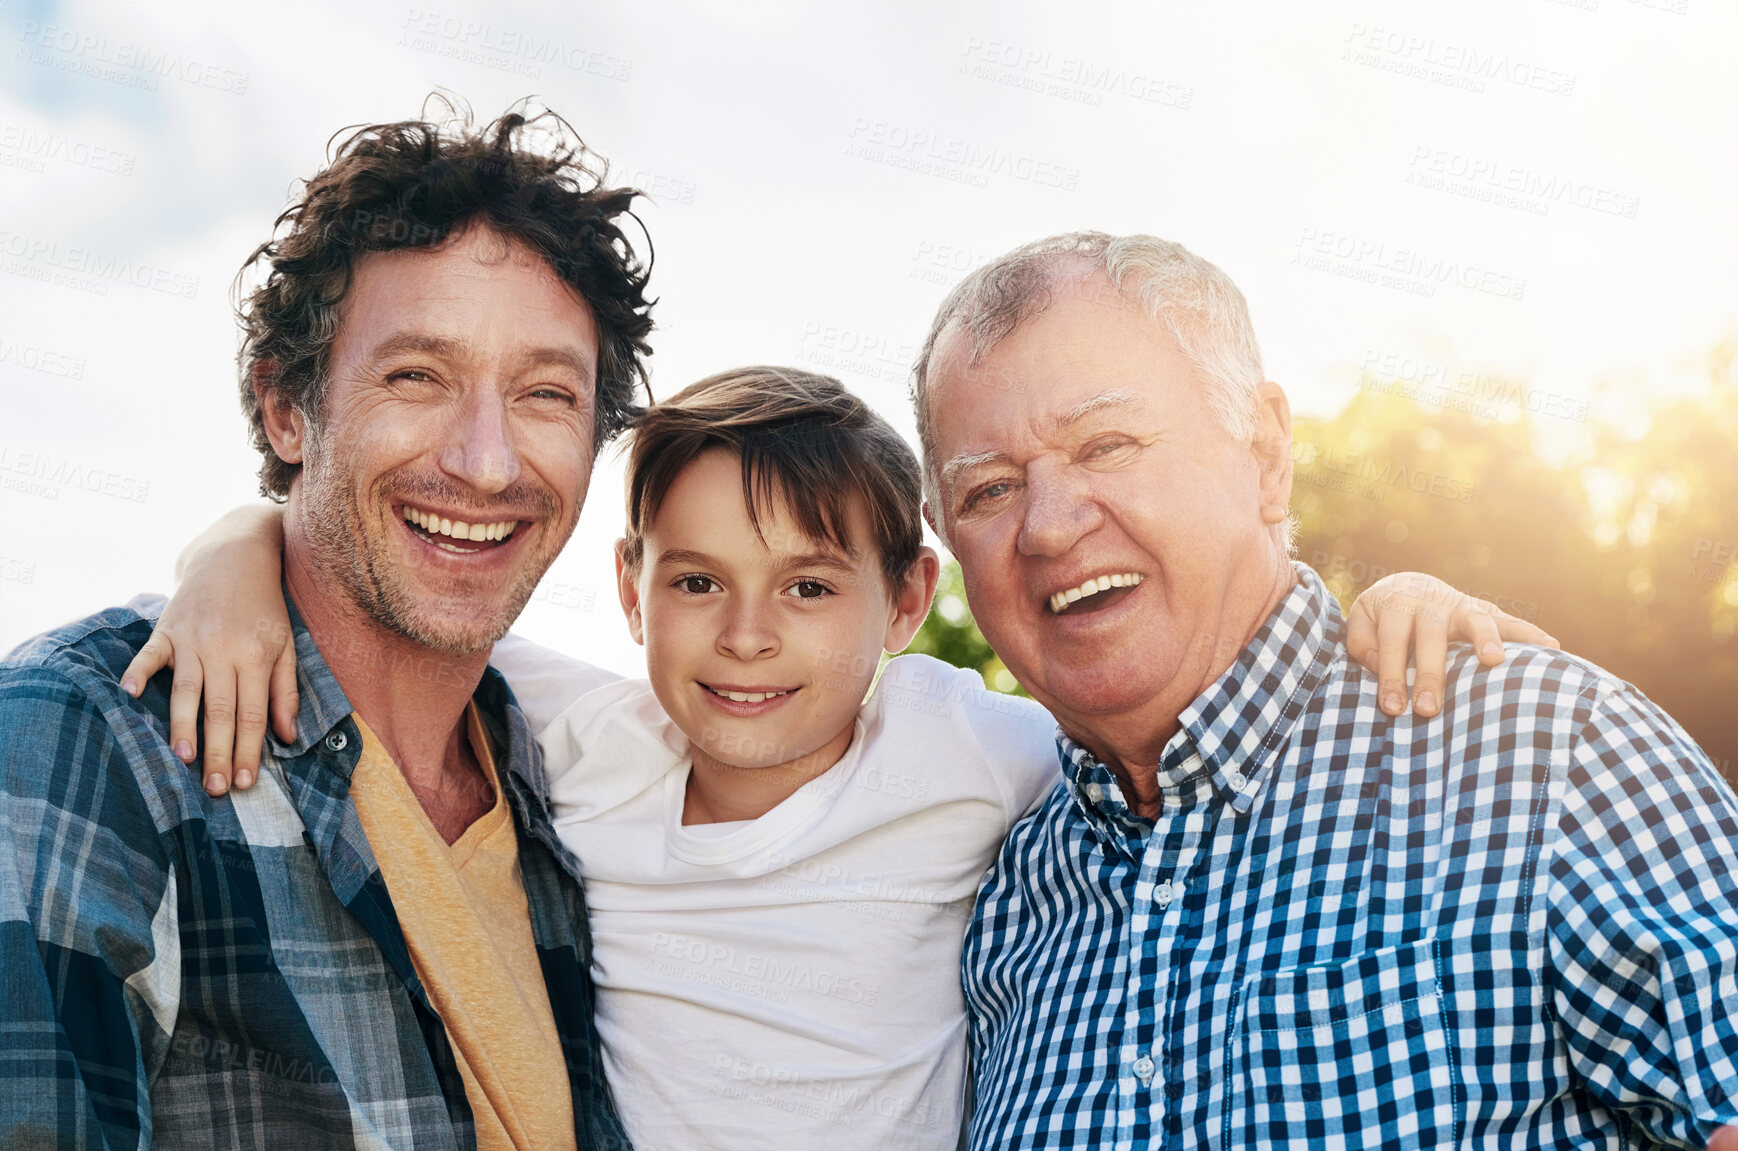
<point x="779" y="874"/>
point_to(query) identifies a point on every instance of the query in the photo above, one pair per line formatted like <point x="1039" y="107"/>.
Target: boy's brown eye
<point x="809" y="589"/>
<point x="696" y="585"/>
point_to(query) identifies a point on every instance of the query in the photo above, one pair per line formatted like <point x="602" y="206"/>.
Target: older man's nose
<point x="1059" y="511"/>
<point x="480" y="450"/>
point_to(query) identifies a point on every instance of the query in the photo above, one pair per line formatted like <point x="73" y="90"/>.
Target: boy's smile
<point x="760" y="645"/>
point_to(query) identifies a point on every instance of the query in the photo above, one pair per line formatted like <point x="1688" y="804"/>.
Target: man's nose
<point x="480" y="449"/>
<point x="1060" y="509"/>
<point x="748" y="631"/>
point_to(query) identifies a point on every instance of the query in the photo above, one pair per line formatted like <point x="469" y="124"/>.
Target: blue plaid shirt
<point x="1513" y="925"/>
<point x="189" y="972"/>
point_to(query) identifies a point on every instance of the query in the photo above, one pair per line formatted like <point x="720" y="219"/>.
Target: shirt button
<point x="1143" y="1069"/>
<point x="1237" y="780"/>
<point x="337" y="741"/>
<point x="1162" y="895"/>
<point x="1094" y="793"/>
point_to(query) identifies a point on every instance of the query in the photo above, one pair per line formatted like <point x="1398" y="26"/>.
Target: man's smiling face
<point x="454" y="448"/>
<point x="1102" y="515"/>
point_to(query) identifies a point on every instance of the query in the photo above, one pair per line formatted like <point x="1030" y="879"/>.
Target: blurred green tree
<point x="950" y="634"/>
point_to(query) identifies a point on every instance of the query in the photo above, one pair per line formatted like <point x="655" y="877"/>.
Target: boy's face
<point x="760" y="647"/>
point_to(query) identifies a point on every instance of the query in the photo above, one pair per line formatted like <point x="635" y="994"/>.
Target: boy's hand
<point x="227" y="634"/>
<point x="1410" y="609"/>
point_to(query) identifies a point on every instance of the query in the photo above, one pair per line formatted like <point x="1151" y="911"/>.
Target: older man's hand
<point x="1417" y="613"/>
<point x="1725" y="1139"/>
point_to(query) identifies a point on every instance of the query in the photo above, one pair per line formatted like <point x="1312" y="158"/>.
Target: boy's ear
<point x="285" y="426"/>
<point x="628" y="588"/>
<point x="911" y="600"/>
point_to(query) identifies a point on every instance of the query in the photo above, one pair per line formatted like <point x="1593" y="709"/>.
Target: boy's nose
<point x="748" y="633"/>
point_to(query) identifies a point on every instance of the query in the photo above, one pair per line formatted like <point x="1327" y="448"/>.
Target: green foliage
<point x="1619" y="538"/>
<point x="949" y="634"/>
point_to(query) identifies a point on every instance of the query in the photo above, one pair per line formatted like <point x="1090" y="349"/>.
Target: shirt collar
<point x="323" y="703"/>
<point x="1233" y="728"/>
<point x="324" y="707"/>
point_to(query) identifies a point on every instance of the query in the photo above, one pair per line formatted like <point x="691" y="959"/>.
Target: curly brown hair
<point x="416" y="184"/>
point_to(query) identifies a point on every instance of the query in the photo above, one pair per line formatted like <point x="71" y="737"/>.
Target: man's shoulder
<point x="1537" y="704"/>
<point x="89" y="652"/>
<point x="1531" y="681"/>
<point x="63" y="715"/>
<point x="77" y="666"/>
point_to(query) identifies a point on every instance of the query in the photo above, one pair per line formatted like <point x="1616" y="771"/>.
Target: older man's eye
<point x="1100" y="451"/>
<point x="977" y="497"/>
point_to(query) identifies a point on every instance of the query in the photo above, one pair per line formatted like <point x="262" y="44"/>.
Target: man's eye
<point x="1106" y="449"/>
<point x="696" y="585"/>
<point x="990" y="491"/>
<point x="561" y="395"/>
<point x="810" y="589"/>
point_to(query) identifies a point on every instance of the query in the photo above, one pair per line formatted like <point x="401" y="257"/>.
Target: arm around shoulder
<point x="545" y="682"/>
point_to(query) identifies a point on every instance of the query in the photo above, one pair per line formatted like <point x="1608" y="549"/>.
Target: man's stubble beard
<point x="345" y="548"/>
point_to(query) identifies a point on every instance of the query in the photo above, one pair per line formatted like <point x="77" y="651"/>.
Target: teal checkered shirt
<point x="180" y="971"/>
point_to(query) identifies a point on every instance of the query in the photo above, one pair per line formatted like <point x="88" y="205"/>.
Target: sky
<point x="1540" y="189"/>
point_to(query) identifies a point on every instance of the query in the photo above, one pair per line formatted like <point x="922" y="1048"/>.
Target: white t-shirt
<point x="793" y="981"/>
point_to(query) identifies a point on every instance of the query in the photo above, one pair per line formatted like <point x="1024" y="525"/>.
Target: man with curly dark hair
<point x="382" y="943"/>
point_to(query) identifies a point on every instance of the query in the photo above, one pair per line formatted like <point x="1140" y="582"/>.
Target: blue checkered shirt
<point x="180" y="971"/>
<point x="1513" y="925"/>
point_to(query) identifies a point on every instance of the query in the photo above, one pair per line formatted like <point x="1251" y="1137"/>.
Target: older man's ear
<point x="1272" y="448"/>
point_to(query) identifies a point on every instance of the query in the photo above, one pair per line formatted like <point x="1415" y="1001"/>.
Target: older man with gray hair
<point x="1265" y="906"/>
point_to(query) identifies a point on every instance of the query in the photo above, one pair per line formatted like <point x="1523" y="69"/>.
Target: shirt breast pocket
<point x="1350" y="1054"/>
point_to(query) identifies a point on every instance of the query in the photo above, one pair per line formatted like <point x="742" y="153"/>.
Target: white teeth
<point x="749" y="696"/>
<point x="1093" y="586"/>
<point x="459" y="529"/>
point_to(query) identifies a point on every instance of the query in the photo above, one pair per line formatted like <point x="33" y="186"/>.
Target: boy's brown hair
<point x="802" y="438"/>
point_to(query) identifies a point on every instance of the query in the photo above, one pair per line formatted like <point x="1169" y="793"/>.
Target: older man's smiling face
<point x="1110" y="530"/>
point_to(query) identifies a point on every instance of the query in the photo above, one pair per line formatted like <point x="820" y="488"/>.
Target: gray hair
<point x="1197" y="303"/>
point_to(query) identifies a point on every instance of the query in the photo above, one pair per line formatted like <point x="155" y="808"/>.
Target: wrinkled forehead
<point x="1057" y="358"/>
